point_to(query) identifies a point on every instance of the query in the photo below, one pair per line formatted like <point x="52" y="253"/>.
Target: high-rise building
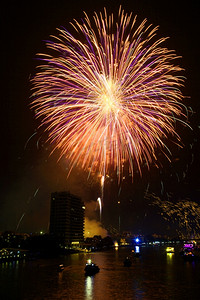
<point x="67" y="218"/>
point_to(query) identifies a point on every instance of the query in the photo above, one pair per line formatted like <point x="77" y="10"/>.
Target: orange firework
<point x="110" y="93"/>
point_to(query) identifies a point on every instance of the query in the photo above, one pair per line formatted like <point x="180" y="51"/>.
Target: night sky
<point x="30" y="174"/>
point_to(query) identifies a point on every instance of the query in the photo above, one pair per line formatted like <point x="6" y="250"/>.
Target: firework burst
<point x="110" y="93"/>
<point x="184" y="214"/>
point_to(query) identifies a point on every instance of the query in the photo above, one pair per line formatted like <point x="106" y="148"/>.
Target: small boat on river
<point x="91" y="268"/>
<point x="61" y="268"/>
<point x="190" y="252"/>
<point x="170" y="249"/>
<point x="127" y="262"/>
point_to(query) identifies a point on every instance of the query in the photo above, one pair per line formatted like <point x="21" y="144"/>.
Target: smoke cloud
<point x="92" y="224"/>
<point x="93" y="227"/>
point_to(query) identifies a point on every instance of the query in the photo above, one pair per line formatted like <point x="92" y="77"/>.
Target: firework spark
<point x="185" y="215"/>
<point x="110" y="93"/>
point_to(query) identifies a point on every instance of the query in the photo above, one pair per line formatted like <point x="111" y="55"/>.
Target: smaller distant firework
<point x="184" y="214"/>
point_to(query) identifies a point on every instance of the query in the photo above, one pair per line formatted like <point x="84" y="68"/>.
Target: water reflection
<point x="60" y="277"/>
<point x="116" y="245"/>
<point x="154" y="274"/>
<point x="89" y="281"/>
<point x="137" y="249"/>
<point x="170" y="258"/>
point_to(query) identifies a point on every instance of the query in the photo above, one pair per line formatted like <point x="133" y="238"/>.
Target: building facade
<point x="67" y="219"/>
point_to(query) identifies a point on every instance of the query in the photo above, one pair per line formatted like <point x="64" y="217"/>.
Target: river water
<point x="154" y="275"/>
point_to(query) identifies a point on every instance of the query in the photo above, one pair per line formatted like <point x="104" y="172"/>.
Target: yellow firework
<point x="108" y="93"/>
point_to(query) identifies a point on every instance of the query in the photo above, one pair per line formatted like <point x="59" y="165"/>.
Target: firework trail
<point x="102" y="186"/>
<point x="108" y="93"/>
<point x="36" y="192"/>
<point x="22" y="216"/>
<point x="100" y="207"/>
<point x="17" y="227"/>
<point x="29" y="140"/>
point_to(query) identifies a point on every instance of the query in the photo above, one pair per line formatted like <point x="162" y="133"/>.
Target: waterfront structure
<point x="12" y="254"/>
<point x="10" y="239"/>
<point x="67" y="219"/>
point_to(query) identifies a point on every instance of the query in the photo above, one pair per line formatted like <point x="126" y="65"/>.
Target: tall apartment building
<point x="67" y="218"/>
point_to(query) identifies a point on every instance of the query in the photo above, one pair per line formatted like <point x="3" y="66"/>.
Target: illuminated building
<point x="67" y="218"/>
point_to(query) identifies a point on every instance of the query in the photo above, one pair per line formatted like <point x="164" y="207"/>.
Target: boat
<point x="187" y="251"/>
<point x="170" y="249"/>
<point x="91" y="268"/>
<point x="61" y="268"/>
<point x="127" y="262"/>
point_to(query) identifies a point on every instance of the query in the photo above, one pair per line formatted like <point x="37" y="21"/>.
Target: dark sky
<point x="29" y="174"/>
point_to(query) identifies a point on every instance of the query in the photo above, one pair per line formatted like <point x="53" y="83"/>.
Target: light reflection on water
<point x="89" y="281"/>
<point x="154" y="275"/>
